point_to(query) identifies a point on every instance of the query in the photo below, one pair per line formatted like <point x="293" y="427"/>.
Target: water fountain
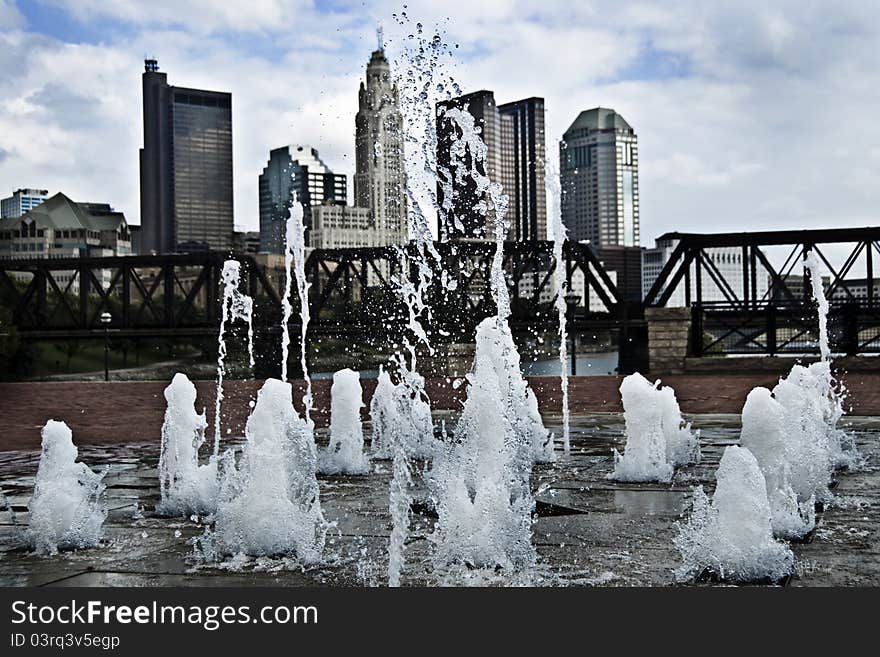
<point x="186" y="487"/>
<point x="345" y="453"/>
<point x="731" y="536"/>
<point x="270" y="503"/>
<point x="795" y="434"/>
<point x="766" y="435"/>
<point x="797" y="445"/>
<point x="383" y="416"/>
<point x="657" y="439"/>
<point x="481" y="479"/>
<point x="418" y="80"/>
<point x="66" y="510"/>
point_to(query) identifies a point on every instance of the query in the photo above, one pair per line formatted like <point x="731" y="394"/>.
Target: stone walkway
<point x="589" y="531"/>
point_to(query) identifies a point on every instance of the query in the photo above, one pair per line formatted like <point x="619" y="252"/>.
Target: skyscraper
<point x="599" y="172"/>
<point x="186" y="167"/>
<point x="294" y="169"/>
<point x="515" y="150"/>
<point x="380" y="177"/>
<point x="21" y="201"/>
<point x="523" y="148"/>
<point x="459" y="217"/>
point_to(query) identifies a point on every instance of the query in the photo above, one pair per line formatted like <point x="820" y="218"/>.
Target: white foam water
<point x="186" y="487"/>
<point x="731" y="536"/>
<point x="803" y="396"/>
<point x="270" y="503"/>
<point x="766" y="434"/>
<point x="401" y="412"/>
<point x="657" y="439"/>
<point x="811" y="263"/>
<point x="481" y="479"/>
<point x="345" y="453"/>
<point x="66" y="510"/>
<point x="383" y="415"/>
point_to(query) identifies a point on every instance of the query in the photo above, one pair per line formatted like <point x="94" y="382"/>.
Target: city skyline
<point x="744" y="130"/>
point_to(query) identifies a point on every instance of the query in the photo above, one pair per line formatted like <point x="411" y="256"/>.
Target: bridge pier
<point x="669" y="331"/>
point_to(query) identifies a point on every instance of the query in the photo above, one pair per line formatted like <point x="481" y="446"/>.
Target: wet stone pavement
<point x="588" y="531"/>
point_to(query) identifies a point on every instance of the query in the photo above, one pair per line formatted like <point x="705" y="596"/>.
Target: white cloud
<point x="748" y="115"/>
<point x="9" y="15"/>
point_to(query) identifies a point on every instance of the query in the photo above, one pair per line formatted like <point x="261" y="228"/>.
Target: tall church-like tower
<point x="380" y="177"/>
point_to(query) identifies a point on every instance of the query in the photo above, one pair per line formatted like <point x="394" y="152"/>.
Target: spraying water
<point x="270" y="504"/>
<point x="235" y="306"/>
<point x="554" y="193"/>
<point x="345" y="453"/>
<point x="811" y="262"/>
<point x="402" y="410"/>
<point x="731" y="536"/>
<point x="657" y="439"/>
<point x="186" y="487"/>
<point x="66" y="510"/>
<point x="399" y="499"/>
<point x="419" y="77"/>
<point x="295" y="259"/>
<point x="481" y="481"/>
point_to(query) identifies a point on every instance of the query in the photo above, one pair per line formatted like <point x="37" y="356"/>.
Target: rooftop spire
<point x="380" y="41"/>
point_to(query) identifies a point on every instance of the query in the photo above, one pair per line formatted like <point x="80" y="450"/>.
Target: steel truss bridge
<point x="764" y="307"/>
<point x="351" y="291"/>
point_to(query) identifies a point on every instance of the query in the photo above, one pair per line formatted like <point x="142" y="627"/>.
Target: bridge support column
<point x="669" y="332"/>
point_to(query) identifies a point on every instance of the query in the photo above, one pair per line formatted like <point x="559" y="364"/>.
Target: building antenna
<point x="379" y="38"/>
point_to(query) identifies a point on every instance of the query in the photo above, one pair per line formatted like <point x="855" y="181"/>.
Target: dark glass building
<point x="458" y="217"/>
<point x="295" y="170"/>
<point x="185" y="167"/>
<point x="514" y="137"/>
<point x="523" y="151"/>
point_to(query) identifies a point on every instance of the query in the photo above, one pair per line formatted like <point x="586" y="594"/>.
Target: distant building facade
<point x="380" y="176"/>
<point x="857" y="290"/>
<point x="294" y="170"/>
<point x="523" y="156"/>
<point x="514" y="136"/>
<point x="246" y="242"/>
<point x="61" y="228"/>
<point x="185" y="167"/>
<point x="340" y="226"/>
<point x="21" y="201"/>
<point x="599" y="179"/>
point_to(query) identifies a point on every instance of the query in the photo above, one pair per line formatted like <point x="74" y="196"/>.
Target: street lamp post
<point x="571" y="301"/>
<point x="106" y="318"/>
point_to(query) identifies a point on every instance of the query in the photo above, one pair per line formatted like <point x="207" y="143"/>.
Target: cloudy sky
<point x="750" y="115"/>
